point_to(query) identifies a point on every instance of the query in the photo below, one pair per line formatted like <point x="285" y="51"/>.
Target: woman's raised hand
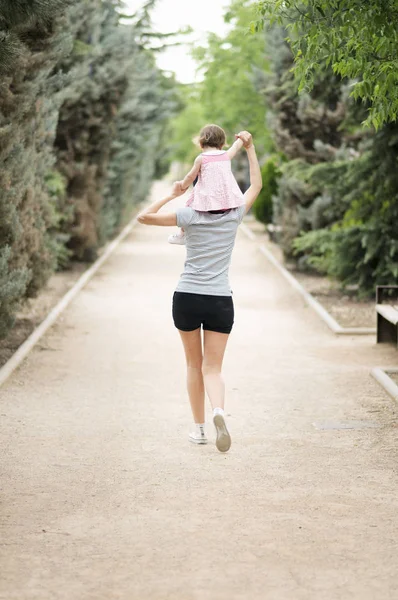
<point x="246" y="138"/>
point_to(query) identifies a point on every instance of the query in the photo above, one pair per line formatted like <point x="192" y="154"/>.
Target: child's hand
<point x="177" y="189"/>
<point x="183" y="189"/>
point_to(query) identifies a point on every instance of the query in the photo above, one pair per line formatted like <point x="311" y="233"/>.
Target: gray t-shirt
<point x="210" y="239"/>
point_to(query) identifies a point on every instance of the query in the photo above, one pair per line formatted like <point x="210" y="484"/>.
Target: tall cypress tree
<point x="110" y="122"/>
<point x="312" y="131"/>
<point x="82" y="111"/>
<point x="33" y="40"/>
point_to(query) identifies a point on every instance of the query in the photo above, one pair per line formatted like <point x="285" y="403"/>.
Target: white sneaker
<point x="223" y="441"/>
<point x="198" y="436"/>
<point x="177" y="238"/>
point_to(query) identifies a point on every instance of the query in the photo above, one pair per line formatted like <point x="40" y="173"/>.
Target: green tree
<point x="232" y="67"/>
<point x="34" y="39"/>
<point x="359" y="40"/>
<point x="187" y="124"/>
<point x="97" y="75"/>
<point x="315" y="132"/>
<point x="361" y="248"/>
<point x="110" y="122"/>
<point x="337" y="198"/>
<point x="83" y="109"/>
<point x="140" y="151"/>
<point x="270" y="174"/>
<point x="231" y="91"/>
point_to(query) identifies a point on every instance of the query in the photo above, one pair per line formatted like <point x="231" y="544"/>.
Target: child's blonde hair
<point x="212" y="136"/>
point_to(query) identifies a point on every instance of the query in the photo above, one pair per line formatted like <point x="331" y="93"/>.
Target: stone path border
<point x="309" y="298"/>
<point x="381" y="376"/>
<point x="20" y="354"/>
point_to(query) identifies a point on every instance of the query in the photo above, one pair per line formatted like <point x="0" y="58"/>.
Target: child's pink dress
<point x="217" y="187"/>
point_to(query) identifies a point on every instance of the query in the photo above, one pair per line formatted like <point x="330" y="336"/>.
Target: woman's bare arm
<point x="256" y="182"/>
<point x="255" y="178"/>
<point x="151" y="216"/>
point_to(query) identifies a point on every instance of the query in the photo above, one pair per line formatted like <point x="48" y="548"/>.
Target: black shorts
<point x="215" y="313"/>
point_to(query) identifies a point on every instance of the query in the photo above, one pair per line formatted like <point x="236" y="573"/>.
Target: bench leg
<point x="386" y="331"/>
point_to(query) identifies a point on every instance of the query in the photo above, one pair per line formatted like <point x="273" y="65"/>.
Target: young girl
<point x="216" y="188"/>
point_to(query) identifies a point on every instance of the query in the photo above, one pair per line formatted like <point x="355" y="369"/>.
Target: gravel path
<point x="103" y="498"/>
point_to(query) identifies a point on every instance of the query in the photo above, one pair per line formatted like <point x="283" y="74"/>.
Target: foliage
<point x="359" y="40"/>
<point x="34" y="41"/>
<point x="337" y="198"/>
<point x="318" y="133"/>
<point x="357" y="255"/>
<point x="270" y="173"/>
<point x="312" y="126"/>
<point x="82" y="106"/>
<point x="187" y="125"/>
<point x="139" y="151"/>
<point x="61" y="218"/>
<point x="13" y="283"/>
<point x="229" y="94"/>
<point x="110" y="123"/>
<point x="362" y="247"/>
<point x="21" y="23"/>
<point x="87" y="118"/>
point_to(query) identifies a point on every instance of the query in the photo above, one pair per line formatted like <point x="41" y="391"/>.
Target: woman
<point x="203" y="297"/>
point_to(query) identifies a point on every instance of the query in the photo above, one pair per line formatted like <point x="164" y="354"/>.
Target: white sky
<point x="170" y="15"/>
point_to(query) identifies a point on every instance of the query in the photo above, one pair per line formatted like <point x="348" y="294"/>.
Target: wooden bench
<point x="387" y="314"/>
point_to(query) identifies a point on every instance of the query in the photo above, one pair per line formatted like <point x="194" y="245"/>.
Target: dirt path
<point x="103" y="498"/>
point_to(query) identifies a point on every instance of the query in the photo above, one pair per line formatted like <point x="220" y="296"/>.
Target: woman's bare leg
<point x="213" y="355"/>
<point x="214" y="349"/>
<point x="192" y="342"/>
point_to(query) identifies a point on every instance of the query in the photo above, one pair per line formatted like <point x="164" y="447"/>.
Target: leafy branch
<point x="358" y="41"/>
